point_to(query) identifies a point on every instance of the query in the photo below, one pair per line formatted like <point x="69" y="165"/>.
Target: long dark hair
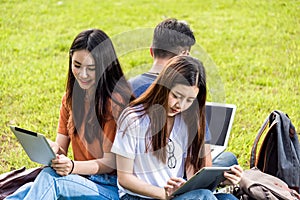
<point x="179" y="70"/>
<point x="109" y="79"/>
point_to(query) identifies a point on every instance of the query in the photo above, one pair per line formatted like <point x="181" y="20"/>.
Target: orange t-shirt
<point x="82" y="150"/>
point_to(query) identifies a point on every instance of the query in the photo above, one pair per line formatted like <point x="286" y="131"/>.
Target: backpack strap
<point x="268" y="120"/>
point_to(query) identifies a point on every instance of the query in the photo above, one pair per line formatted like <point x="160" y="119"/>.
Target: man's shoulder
<point x="142" y="78"/>
<point x="140" y="83"/>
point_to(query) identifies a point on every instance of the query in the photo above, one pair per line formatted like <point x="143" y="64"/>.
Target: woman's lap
<point x="225" y="196"/>
<point x="49" y="185"/>
<point x="200" y="194"/>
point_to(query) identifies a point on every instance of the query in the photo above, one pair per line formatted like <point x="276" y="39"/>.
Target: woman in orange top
<point x="96" y="93"/>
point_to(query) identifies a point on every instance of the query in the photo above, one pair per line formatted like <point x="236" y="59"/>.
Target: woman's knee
<point x="47" y="173"/>
<point x="203" y="194"/>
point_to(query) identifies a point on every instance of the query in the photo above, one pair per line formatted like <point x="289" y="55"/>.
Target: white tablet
<point x="205" y="178"/>
<point x="35" y="145"/>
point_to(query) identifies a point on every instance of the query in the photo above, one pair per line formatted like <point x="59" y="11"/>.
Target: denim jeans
<point x="201" y="194"/>
<point x="224" y="196"/>
<point x="225" y="159"/>
<point x="50" y="185"/>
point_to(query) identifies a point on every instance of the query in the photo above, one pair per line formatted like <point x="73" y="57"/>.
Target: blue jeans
<point x="224" y="196"/>
<point x="203" y="194"/>
<point x="225" y="159"/>
<point x="50" y="185"/>
<point x="200" y="194"/>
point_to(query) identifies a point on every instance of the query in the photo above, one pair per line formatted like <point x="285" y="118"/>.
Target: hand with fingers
<point x="172" y="185"/>
<point x="62" y="165"/>
<point x="233" y="176"/>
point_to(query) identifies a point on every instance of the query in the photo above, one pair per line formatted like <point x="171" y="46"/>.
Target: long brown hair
<point x="179" y="70"/>
<point x="109" y="79"/>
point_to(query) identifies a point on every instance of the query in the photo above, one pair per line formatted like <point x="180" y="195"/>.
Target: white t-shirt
<point x="131" y="144"/>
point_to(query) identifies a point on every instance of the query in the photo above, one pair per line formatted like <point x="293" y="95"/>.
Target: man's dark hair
<point x="170" y="37"/>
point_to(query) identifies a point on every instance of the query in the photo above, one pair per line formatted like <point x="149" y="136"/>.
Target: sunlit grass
<point x="254" y="47"/>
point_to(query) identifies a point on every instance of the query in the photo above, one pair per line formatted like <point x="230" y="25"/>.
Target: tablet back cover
<point x="35" y="145"/>
<point x="205" y="178"/>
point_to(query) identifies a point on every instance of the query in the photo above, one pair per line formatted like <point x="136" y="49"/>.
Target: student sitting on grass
<point x="162" y="134"/>
<point x="96" y="93"/>
<point x="173" y="37"/>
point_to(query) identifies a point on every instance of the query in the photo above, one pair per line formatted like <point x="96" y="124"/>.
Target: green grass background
<point x="252" y="56"/>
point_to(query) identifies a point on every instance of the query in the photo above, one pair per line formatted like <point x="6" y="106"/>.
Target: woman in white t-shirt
<point x="161" y="136"/>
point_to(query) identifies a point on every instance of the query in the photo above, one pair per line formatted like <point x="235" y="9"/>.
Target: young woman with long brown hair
<point x="96" y="93"/>
<point x="161" y="135"/>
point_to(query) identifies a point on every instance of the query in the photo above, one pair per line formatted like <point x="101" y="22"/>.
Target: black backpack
<point x="279" y="153"/>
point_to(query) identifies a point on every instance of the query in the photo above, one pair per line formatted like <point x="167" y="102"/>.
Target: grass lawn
<point x="251" y="50"/>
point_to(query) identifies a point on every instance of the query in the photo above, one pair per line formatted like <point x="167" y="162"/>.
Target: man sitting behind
<point x="173" y="37"/>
